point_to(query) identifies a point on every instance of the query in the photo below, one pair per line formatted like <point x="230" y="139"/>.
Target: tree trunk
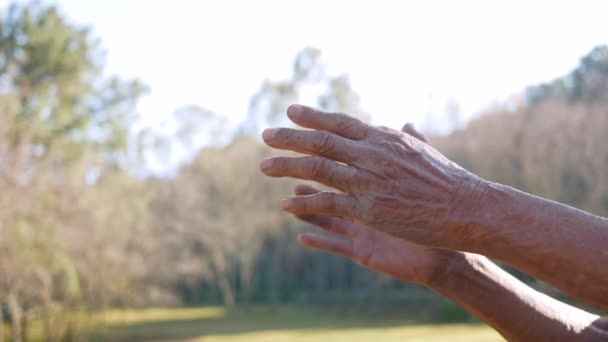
<point x="227" y="291"/>
<point x="274" y="281"/>
<point x="246" y="277"/>
<point x="24" y="326"/>
<point x="16" y="316"/>
<point x="47" y="322"/>
<point x="47" y="304"/>
<point x="222" y="274"/>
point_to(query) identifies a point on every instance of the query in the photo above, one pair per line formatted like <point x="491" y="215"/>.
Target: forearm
<point x="558" y="244"/>
<point x="515" y="310"/>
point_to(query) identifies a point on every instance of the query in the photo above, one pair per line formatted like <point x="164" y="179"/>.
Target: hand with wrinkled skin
<point x="373" y="249"/>
<point x="390" y="180"/>
<point x="470" y="280"/>
<point x="399" y="185"/>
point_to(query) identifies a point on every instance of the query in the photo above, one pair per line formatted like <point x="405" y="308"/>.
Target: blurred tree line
<point x="65" y="241"/>
<point x="81" y="229"/>
<point x="550" y="142"/>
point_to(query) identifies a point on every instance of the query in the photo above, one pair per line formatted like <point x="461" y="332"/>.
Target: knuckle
<point x="356" y="209"/>
<point x="323" y="142"/>
<point x="353" y="204"/>
<point x="357" y="179"/>
<point x="317" y="167"/>
<point x="381" y="133"/>
<point x="344" y="124"/>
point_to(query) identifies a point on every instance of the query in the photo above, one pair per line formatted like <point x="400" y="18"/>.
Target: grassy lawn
<point x="285" y="323"/>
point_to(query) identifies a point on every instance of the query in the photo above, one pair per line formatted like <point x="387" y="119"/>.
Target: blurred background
<point x="131" y="205"/>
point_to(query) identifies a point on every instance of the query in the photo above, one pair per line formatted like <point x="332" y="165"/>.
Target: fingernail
<point x="269" y="133"/>
<point x="286" y="203"/>
<point x="294" y="111"/>
<point x="265" y="163"/>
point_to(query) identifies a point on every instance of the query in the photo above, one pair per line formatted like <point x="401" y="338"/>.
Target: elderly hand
<point x="375" y="250"/>
<point x="389" y="180"/>
<point x="396" y="183"/>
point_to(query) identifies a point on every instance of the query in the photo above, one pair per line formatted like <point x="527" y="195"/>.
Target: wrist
<point x="467" y="208"/>
<point x="448" y="264"/>
<point x="482" y="213"/>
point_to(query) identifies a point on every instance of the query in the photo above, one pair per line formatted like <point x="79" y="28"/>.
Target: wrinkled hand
<point x="389" y="180"/>
<point x="375" y="250"/>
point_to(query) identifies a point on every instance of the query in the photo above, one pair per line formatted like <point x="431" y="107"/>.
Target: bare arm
<point x="515" y="310"/>
<point x="561" y="245"/>
<point x="399" y="185"/>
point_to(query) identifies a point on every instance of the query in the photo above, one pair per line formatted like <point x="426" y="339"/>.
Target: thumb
<point x="409" y="129"/>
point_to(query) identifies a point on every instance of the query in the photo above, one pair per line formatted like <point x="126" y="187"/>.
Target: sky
<point x="404" y="58"/>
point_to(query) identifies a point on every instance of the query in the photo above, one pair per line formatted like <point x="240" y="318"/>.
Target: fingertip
<point x="299" y="189"/>
<point x="304" y="189"/>
<point x="287" y="204"/>
<point x="265" y="164"/>
<point x="269" y="133"/>
<point x="294" y="111"/>
<point x="408" y="127"/>
<point x="302" y="240"/>
<point x="306" y="240"/>
<point x="411" y="130"/>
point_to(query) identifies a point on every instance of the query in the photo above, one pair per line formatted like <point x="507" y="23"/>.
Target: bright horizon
<point x="404" y="59"/>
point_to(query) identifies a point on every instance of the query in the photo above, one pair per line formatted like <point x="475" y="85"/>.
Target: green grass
<point x="284" y="323"/>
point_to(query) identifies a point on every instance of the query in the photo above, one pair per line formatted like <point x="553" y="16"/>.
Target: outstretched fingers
<point x="337" y="246"/>
<point x="324" y="203"/>
<point x="338" y="123"/>
<point x="313" y="168"/>
<point x="332" y="224"/>
<point x="303" y="189"/>
<point x="320" y="143"/>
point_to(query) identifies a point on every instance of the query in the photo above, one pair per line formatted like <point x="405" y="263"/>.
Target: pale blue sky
<point x="216" y="53"/>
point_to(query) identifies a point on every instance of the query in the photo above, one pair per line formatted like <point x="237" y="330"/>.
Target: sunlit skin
<point x="373" y="249"/>
<point x="401" y="206"/>
<point x="459" y="276"/>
